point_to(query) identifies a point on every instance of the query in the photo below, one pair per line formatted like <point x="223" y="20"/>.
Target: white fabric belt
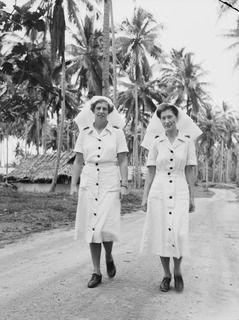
<point x="101" y="164"/>
<point x="171" y="175"/>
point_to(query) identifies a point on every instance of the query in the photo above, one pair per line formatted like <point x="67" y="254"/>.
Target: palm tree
<point x="136" y="42"/>
<point x="232" y="140"/>
<point x="114" y="57"/>
<point x="148" y="97"/>
<point x="57" y="32"/>
<point x="229" y="117"/>
<point x="87" y="56"/>
<point x="182" y="77"/>
<point x="106" y="48"/>
<point x="58" y="50"/>
<point x="233" y="34"/>
<point x="212" y="126"/>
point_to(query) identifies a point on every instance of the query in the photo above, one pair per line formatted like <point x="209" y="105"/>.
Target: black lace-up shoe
<point x="111" y="270"/>
<point x="95" y="280"/>
<point x="165" y="284"/>
<point x="178" y="283"/>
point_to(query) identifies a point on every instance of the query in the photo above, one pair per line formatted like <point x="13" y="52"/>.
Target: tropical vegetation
<point x="45" y="80"/>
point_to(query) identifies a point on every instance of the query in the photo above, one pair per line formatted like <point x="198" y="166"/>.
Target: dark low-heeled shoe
<point x="165" y="284"/>
<point x="178" y="282"/>
<point x="110" y="267"/>
<point x="95" y="280"/>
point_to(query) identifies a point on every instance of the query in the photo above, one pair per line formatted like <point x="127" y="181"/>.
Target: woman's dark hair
<point x="167" y="106"/>
<point x="110" y="107"/>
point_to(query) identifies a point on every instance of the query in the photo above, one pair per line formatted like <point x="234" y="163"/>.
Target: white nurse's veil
<point x="185" y="125"/>
<point x="86" y="117"/>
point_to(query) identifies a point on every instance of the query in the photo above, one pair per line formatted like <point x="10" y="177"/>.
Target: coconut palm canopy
<point x="183" y="79"/>
<point x="39" y="98"/>
<point x="136" y="41"/>
<point x="41" y="168"/>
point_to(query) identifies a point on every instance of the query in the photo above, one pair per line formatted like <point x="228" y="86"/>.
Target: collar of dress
<point x="107" y="128"/>
<point x="180" y="136"/>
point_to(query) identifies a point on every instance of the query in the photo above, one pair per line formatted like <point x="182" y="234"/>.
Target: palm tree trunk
<point x="221" y="163"/>
<point x="206" y="172"/>
<point x="136" y="145"/>
<point x="74" y="138"/>
<point x="114" y="54"/>
<point x="141" y="149"/>
<point x="228" y="164"/>
<point x="60" y="137"/>
<point x="7" y="141"/>
<point x="25" y="138"/>
<point x="106" y="46"/>
<point x="44" y="133"/>
<point x="213" y="165"/>
<point x="237" y="167"/>
<point x="38" y="129"/>
<point x="67" y="136"/>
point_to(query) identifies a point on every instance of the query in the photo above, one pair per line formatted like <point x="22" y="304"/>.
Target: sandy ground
<point x="45" y="276"/>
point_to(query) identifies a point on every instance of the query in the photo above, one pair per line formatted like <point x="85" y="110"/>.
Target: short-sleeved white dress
<point x="98" y="209"/>
<point x="166" y="225"/>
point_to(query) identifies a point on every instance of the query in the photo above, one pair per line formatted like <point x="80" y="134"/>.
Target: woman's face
<point x="169" y="120"/>
<point x="101" y="110"/>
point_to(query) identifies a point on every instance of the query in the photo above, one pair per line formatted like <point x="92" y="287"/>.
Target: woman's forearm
<point x="148" y="181"/>
<point x="190" y="177"/>
<point x="76" y="170"/>
<point x="123" y="166"/>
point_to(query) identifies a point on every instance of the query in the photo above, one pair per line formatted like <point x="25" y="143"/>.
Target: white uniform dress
<point x="166" y="226"/>
<point x="98" y="209"/>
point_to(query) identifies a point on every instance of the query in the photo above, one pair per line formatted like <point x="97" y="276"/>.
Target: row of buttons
<point x="170" y="197"/>
<point x="97" y="184"/>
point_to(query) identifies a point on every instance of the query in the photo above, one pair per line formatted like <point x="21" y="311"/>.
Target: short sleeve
<point x="152" y="156"/>
<point x="121" y="141"/>
<point x="191" y="156"/>
<point x="79" y="144"/>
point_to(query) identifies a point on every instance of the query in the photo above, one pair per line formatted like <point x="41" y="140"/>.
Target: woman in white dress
<point x="169" y="196"/>
<point x="101" y="165"/>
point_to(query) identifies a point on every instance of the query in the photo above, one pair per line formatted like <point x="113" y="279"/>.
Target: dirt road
<point x="45" y="276"/>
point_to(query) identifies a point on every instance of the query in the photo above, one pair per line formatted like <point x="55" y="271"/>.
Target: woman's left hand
<point x="191" y="205"/>
<point x="123" y="192"/>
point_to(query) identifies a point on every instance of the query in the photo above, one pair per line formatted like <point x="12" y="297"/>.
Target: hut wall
<point x="40" y="187"/>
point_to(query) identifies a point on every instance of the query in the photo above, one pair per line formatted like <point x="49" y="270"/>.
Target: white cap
<point x="86" y="117"/>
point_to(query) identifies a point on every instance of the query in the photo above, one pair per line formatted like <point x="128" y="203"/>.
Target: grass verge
<point x="22" y="214"/>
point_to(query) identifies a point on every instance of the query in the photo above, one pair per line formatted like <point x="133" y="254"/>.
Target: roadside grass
<point x="22" y="214"/>
<point x="236" y="191"/>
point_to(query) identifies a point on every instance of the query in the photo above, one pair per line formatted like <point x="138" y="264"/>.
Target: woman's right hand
<point x="191" y="205"/>
<point x="144" y="205"/>
<point x="73" y="190"/>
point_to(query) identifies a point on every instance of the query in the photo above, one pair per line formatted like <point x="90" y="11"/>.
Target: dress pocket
<point x="87" y="178"/>
<point x="111" y="180"/>
<point x="183" y="195"/>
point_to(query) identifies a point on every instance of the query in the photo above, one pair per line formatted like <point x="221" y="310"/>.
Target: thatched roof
<point x="42" y="167"/>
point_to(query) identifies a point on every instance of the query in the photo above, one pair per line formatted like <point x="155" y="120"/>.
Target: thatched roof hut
<point x="41" y="168"/>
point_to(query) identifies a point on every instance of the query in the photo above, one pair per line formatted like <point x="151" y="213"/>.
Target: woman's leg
<point x="95" y="250"/>
<point x="165" y="283"/>
<point x="165" y="263"/>
<point x="177" y="265"/>
<point x="178" y="279"/>
<point x="110" y="266"/>
<point x="108" y="245"/>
